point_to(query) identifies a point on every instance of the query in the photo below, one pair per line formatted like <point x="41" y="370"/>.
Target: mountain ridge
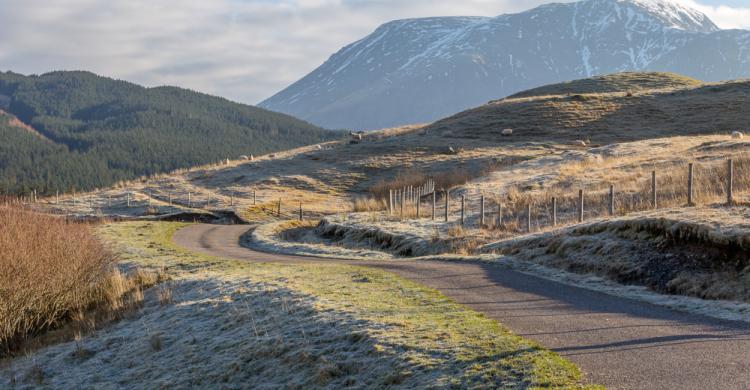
<point x="420" y="70"/>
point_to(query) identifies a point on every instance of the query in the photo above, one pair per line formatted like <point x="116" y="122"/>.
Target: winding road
<point x="621" y="343"/>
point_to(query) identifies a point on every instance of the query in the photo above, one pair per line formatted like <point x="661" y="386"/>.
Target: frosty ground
<point x="233" y="324"/>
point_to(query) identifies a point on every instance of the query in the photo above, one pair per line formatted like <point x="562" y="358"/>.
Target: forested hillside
<point x="88" y="131"/>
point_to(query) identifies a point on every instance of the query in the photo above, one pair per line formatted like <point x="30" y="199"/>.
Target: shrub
<point x="53" y="272"/>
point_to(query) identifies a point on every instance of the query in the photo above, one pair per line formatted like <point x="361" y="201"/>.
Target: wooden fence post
<point x="190" y="200"/>
<point x="109" y="201"/>
<point x="128" y="198"/>
<point x="447" y="195"/>
<point x="390" y="201"/>
<point x="730" y="182"/>
<point x="255" y="199"/>
<point x="463" y="204"/>
<point x="403" y="198"/>
<point x="401" y="201"/>
<point x="481" y="211"/>
<point x="580" y="206"/>
<point x="528" y="218"/>
<point x="434" y="201"/>
<point x="419" y="200"/>
<point x="554" y="211"/>
<point x="611" y="199"/>
<point x="231" y="199"/>
<point x="300" y="211"/>
<point x="690" y="184"/>
<point x="170" y="198"/>
<point x="499" y="221"/>
<point x="57" y="196"/>
<point x="208" y="203"/>
<point x="653" y="190"/>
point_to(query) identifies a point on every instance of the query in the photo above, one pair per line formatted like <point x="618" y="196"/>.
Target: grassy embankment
<point x="335" y="325"/>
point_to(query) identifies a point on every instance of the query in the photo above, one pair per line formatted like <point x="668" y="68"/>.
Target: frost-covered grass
<point x="240" y="324"/>
<point x="300" y="238"/>
<point x="637" y="257"/>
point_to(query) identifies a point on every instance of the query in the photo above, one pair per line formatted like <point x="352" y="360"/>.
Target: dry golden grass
<point x="366" y="204"/>
<point x="55" y="275"/>
<point x="607" y="117"/>
<point x="617" y="82"/>
<point x="633" y="190"/>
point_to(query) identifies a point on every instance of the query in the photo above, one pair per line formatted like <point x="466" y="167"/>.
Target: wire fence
<point x="675" y="186"/>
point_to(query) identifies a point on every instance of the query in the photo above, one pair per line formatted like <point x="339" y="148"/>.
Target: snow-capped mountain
<point x="419" y="70"/>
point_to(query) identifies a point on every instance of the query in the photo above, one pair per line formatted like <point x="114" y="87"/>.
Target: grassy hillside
<point x="617" y="82"/>
<point x="626" y="113"/>
<point x="96" y="131"/>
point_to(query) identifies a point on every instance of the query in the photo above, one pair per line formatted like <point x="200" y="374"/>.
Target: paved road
<point x="621" y="343"/>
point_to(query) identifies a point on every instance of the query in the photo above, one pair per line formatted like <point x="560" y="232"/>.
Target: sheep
<point x="507" y="132"/>
<point x="580" y="142"/>
<point x="738" y="135"/>
<point x="243" y="157"/>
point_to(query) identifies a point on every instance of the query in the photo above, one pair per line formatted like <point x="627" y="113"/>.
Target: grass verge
<point x="413" y="335"/>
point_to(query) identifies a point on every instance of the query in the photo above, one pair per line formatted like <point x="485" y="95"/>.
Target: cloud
<point x="724" y="16"/>
<point x="244" y="50"/>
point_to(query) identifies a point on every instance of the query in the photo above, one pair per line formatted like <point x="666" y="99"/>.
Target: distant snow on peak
<point x="675" y="15"/>
<point x="419" y="70"/>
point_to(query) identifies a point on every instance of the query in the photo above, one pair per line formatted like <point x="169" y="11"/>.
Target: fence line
<point x="406" y="199"/>
<point x="629" y="201"/>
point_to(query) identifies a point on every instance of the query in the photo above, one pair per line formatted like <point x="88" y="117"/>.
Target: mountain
<point x="419" y="70"/>
<point x="76" y="130"/>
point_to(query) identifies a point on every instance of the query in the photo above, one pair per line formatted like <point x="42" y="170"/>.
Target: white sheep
<point x="506" y="132"/>
<point x="738" y="135"/>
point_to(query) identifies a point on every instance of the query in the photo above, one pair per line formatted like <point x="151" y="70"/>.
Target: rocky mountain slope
<point x="419" y="70"/>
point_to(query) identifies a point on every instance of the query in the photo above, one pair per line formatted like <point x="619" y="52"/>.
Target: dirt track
<point x="621" y="343"/>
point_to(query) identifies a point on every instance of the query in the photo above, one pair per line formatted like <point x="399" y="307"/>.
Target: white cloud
<point x="244" y="50"/>
<point x="724" y="16"/>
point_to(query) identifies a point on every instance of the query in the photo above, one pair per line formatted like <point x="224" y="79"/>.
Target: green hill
<point x="89" y="131"/>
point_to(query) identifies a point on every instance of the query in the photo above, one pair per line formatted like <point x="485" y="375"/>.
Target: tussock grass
<point x="448" y="179"/>
<point x="56" y="275"/>
<point x="365" y="204"/>
<point x="701" y="253"/>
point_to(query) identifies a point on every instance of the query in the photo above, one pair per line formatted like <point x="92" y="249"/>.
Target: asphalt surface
<point x="621" y="343"/>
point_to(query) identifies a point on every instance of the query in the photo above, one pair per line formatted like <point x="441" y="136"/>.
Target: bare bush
<point x="53" y="272"/>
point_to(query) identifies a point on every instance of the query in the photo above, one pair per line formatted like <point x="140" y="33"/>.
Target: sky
<point x="244" y="50"/>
